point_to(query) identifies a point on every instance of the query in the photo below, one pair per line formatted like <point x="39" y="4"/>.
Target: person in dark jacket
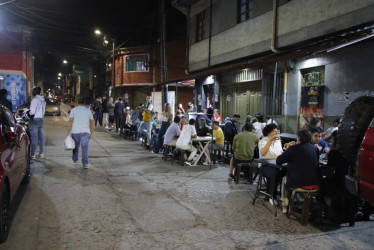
<point x="202" y="115"/>
<point x="3" y="99"/>
<point x="302" y="162"/>
<point x="118" y="111"/>
<point x="231" y="129"/>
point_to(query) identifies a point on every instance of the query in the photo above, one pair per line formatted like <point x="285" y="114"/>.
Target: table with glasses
<point x="203" y="143"/>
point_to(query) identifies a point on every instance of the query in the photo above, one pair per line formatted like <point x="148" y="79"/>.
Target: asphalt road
<point x="131" y="199"/>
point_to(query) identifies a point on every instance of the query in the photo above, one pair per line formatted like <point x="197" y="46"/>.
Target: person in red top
<point x="216" y="116"/>
<point x="182" y="122"/>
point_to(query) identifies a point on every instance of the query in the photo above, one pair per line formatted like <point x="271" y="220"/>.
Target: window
<point x="313" y="76"/>
<point x="136" y="63"/>
<point x="200" y="29"/>
<point x="279" y="93"/>
<point x="245" y="10"/>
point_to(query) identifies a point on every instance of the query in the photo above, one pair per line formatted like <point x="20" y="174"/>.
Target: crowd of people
<point x="257" y="137"/>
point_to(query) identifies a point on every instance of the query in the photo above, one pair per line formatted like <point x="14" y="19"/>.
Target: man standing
<point x="37" y="110"/>
<point x="184" y="139"/>
<point x="244" y="145"/>
<point x="118" y="111"/>
<point x="110" y="107"/>
<point x="147" y="120"/>
<point x="81" y="126"/>
<point x="98" y="108"/>
<point x="3" y="99"/>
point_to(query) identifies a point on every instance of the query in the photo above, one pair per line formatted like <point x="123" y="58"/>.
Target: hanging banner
<point x="312" y="100"/>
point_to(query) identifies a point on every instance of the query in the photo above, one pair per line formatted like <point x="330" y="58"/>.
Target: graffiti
<point x="13" y="91"/>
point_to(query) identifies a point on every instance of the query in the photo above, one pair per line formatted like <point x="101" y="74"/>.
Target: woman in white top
<point x="259" y="125"/>
<point x="270" y="147"/>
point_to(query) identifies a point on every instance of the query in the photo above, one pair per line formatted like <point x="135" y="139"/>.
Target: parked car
<point x="68" y="98"/>
<point x="14" y="165"/>
<point x="356" y="139"/>
<point x="52" y="107"/>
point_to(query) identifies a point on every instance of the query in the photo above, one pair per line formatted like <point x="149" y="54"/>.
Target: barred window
<point x="268" y="94"/>
<point x="136" y="63"/>
<point x="245" y="10"/>
<point x="200" y="29"/>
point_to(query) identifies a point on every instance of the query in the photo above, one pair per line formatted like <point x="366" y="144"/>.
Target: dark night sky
<point x="64" y="28"/>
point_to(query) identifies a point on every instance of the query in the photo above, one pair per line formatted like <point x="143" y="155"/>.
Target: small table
<point x="201" y="147"/>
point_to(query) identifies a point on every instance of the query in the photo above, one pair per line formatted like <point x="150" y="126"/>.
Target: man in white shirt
<point x="183" y="142"/>
<point x="37" y="110"/>
<point x="81" y="126"/>
<point x="268" y="120"/>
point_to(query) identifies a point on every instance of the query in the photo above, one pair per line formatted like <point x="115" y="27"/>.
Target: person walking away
<point x="147" y="120"/>
<point x="110" y="107"/>
<point x="98" y="109"/>
<point x="81" y="127"/>
<point x="166" y="118"/>
<point x="243" y="146"/>
<point x="183" y="142"/>
<point x="3" y="99"/>
<point x="37" y="109"/>
<point x="105" y="112"/>
<point x="118" y="111"/>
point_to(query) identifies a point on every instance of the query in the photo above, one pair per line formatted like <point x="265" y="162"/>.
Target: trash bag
<point x="69" y="143"/>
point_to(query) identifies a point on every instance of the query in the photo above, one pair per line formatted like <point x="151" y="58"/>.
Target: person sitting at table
<point x="259" y="125"/>
<point x="203" y="129"/>
<point x="302" y="162"/>
<point x="172" y="133"/>
<point x="270" y="147"/>
<point x="184" y="139"/>
<point x="219" y="143"/>
<point x="165" y="119"/>
<point x="202" y="115"/>
<point x="182" y="122"/>
<point x="247" y="120"/>
<point x="327" y="134"/>
<point x="217" y="116"/>
<point x="243" y="146"/>
<point x="318" y="141"/>
<point x="231" y="129"/>
<point x="268" y="120"/>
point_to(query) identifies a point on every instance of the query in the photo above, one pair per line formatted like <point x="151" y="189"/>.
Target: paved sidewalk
<point x="131" y="199"/>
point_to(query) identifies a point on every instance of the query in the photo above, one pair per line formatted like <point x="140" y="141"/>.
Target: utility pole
<point x="113" y="68"/>
<point x="164" y="70"/>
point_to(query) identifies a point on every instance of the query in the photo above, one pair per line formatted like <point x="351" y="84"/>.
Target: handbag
<point x="69" y="143"/>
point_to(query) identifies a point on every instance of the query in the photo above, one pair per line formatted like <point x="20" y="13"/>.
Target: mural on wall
<point x="15" y="84"/>
<point x="312" y="99"/>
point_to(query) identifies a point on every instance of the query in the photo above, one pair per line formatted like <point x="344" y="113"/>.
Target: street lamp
<point x="65" y="61"/>
<point x="105" y="43"/>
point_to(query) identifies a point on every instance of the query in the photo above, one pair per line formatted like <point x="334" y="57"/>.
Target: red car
<point x="365" y="166"/>
<point x="14" y="165"/>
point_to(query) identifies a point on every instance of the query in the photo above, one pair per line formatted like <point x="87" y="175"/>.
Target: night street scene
<point x="186" y="124"/>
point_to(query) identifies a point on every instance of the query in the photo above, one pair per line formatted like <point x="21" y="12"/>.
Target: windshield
<point x="51" y="101"/>
<point x="371" y="124"/>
